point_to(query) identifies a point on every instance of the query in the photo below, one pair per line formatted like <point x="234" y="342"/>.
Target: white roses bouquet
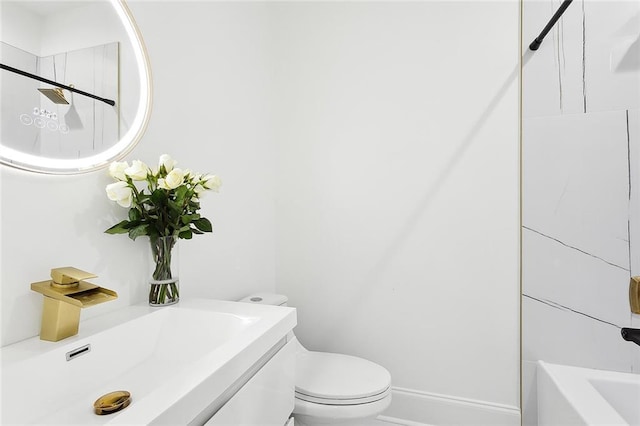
<point x="166" y="210"/>
<point x="169" y="204"/>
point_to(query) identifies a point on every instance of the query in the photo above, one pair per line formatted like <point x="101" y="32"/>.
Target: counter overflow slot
<point x="71" y="355"/>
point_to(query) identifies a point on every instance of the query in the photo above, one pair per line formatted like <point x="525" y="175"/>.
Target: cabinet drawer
<point x="267" y="398"/>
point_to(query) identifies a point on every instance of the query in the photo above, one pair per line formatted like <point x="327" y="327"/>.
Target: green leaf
<point x="134" y="215"/>
<point x="152" y="232"/>
<point x="174" y="208"/>
<point x="187" y="235"/>
<point x="181" y="193"/>
<point x="203" y="224"/>
<point x="195" y="231"/>
<point x="138" y="231"/>
<point x="119" y="228"/>
<point x="189" y="218"/>
<point x="158" y="197"/>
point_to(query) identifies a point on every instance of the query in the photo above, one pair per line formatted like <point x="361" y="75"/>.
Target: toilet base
<point x="310" y="414"/>
<point x="302" y="420"/>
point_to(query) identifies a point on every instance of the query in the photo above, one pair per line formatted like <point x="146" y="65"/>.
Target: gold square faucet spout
<point x="64" y="296"/>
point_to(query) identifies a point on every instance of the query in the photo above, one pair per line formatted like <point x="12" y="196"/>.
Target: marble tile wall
<point x="581" y="187"/>
<point x="35" y="125"/>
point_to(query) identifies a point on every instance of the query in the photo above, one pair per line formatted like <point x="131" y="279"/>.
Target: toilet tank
<point x="266" y="299"/>
<point x="275" y="300"/>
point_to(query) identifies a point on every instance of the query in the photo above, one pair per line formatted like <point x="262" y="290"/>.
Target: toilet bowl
<point x="334" y="389"/>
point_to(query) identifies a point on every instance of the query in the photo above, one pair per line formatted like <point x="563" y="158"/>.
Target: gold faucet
<point x="64" y="295"/>
<point x="634" y="294"/>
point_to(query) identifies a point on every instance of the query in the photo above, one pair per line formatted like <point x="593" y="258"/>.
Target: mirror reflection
<point x="75" y="88"/>
<point x="47" y="120"/>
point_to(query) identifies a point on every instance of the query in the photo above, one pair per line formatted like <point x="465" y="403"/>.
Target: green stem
<point x="161" y="248"/>
<point x="163" y="292"/>
<point x="136" y="194"/>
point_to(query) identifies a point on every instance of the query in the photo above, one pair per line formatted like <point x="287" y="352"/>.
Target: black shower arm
<point x="538" y="40"/>
<point x="53" y="83"/>
<point x="631" y="335"/>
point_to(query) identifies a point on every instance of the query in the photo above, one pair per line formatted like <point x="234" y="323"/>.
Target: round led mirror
<point x="75" y="83"/>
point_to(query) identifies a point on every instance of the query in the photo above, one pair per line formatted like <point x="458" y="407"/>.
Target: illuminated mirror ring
<point x="53" y="123"/>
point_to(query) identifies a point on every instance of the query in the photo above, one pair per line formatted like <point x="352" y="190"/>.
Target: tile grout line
<point x="559" y="46"/>
<point x="628" y="152"/>
<point x="629" y="205"/>
<point x="575" y="248"/>
<point x="584" y="66"/>
<point x="566" y="308"/>
<point x="556" y="48"/>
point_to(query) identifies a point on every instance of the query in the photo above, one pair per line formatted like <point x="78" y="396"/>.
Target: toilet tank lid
<point x="266" y="299"/>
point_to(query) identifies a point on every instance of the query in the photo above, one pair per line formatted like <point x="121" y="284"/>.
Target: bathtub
<point x="581" y="396"/>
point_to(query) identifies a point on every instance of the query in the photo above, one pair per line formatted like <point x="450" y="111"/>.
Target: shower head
<point x="55" y="95"/>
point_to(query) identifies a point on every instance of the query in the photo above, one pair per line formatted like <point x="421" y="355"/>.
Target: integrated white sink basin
<point x="180" y="363"/>
<point x="582" y="396"/>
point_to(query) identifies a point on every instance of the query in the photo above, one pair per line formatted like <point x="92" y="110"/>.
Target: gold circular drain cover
<point x="112" y="402"/>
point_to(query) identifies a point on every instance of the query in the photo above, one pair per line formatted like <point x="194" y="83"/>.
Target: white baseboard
<point x="401" y="422"/>
<point x="411" y="407"/>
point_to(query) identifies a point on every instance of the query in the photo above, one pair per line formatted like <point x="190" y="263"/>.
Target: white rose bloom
<point x="199" y="189"/>
<point x="174" y="179"/>
<point x="117" y="168"/>
<point x="120" y="193"/>
<point x="137" y="171"/>
<point x="168" y="162"/>
<point x="212" y="182"/>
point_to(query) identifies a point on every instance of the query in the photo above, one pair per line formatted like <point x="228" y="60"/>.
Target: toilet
<point x="333" y="389"/>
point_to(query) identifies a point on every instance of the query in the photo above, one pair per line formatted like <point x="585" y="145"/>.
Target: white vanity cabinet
<point x="198" y="361"/>
<point x="267" y="398"/>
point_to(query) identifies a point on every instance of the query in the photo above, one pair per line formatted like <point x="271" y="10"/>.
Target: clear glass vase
<point x="164" y="287"/>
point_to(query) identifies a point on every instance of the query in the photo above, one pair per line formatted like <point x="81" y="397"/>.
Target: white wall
<point x="581" y="159"/>
<point x="369" y="153"/>
<point x="397" y="196"/>
<point x="13" y="30"/>
<point x="212" y="103"/>
<point x="210" y="113"/>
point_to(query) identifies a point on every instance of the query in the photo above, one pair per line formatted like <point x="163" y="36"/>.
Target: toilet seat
<point x="336" y="379"/>
<point x="332" y="401"/>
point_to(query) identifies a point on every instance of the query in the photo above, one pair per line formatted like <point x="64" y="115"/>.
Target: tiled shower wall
<point x="581" y="188"/>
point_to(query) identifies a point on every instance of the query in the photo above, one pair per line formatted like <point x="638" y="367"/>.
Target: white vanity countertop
<point x="174" y="360"/>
